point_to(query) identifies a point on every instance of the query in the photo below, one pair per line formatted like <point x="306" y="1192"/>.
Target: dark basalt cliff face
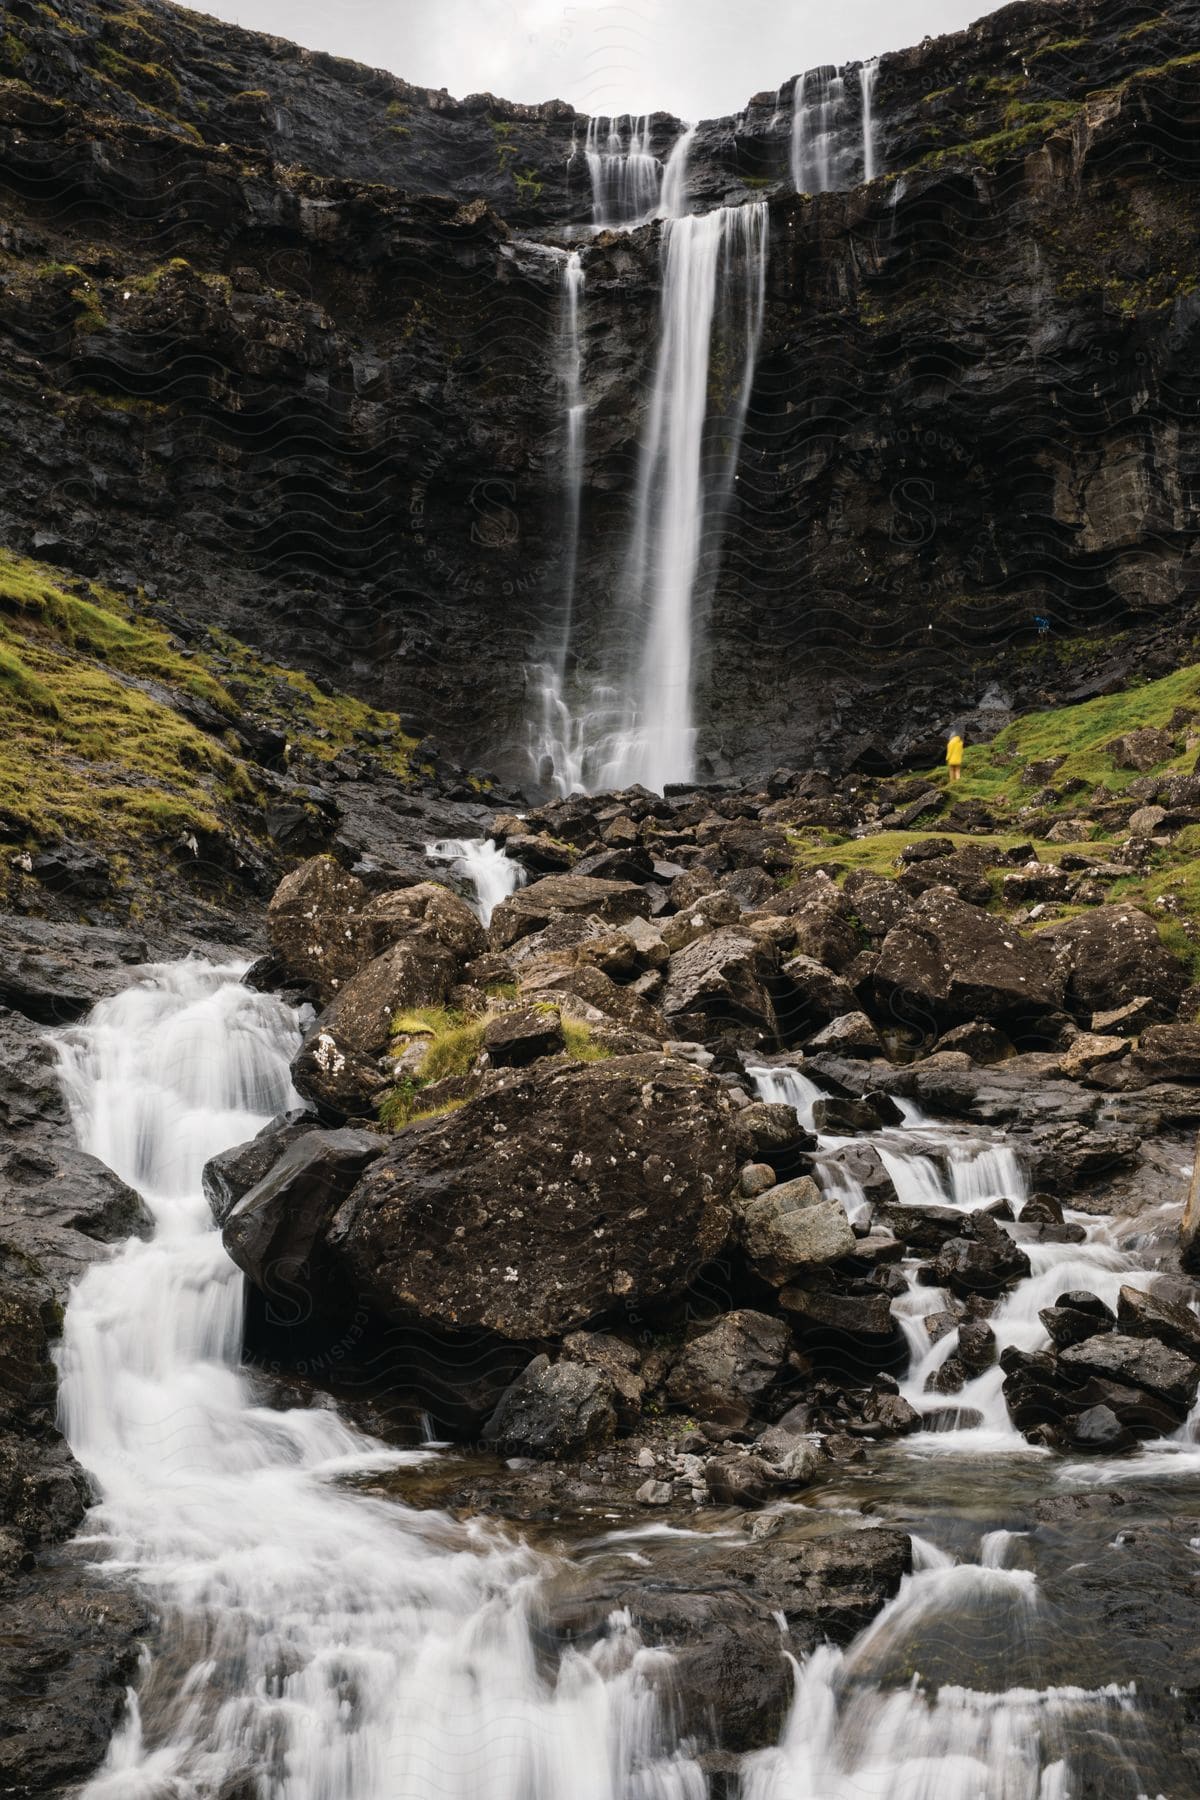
<point x="280" y="340"/>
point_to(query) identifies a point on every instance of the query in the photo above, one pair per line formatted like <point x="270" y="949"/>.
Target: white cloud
<point x="698" y="58"/>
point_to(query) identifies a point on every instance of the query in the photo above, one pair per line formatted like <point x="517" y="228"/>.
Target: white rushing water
<point x="632" y="720"/>
<point x="315" y="1644"/>
<point x="625" y="174"/>
<point x="867" y="76"/>
<point x="834" y="135"/>
<point x="492" y="873"/>
<point x="866" y="1725"/>
<point x="934" y="1164"/>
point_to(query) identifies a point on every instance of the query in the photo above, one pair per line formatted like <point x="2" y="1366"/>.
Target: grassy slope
<point x="92" y="746"/>
<point x="1169" y="887"/>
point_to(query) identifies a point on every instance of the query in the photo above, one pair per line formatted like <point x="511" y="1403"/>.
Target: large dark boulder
<point x="341" y="1066"/>
<point x="557" y="1195"/>
<point x="434" y="910"/>
<point x="720" y="1374"/>
<point x="235" y="1171"/>
<point x="530" y="909"/>
<point x="554" y="1410"/>
<point x="315" y="924"/>
<point x="1111" y="953"/>
<point x="1168" y="1053"/>
<point x="274" y="1232"/>
<point x="719" y="986"/>
<point x="949" y="962"/>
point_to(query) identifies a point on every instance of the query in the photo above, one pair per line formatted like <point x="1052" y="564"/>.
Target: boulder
<point x="341" y="1065"/>
<point x="1089" y="1051"/>
<point x="877" y="904"/>
<point x="1143" y="749"/>
<point x="234" y="1172"/>
<point x="850" y="1035"/>
<point x="1152" y="1315"/>
<point x="720" y="1374"/>
<point x="768" y="1131"/>
<point x="556" y="1195"/>
<point x="820" y="917"/>
<point x="1110" y="953"/>
<point x="810" y="996"/>
<point x="514" y="1039"/>
<point x="1168" y="1053"/>
<point x="315" y="924"/>
<point x="718" y="986"/>
<point x="1074" y="1317"/>
<point x="430" y="908"/>
<point x="793" y="1227"/>
<point x="1139" y="1362"/>
<point x="740" y="1480"/>
<point x="531" y="908"/>
<point x="553" y="1410"/>
<point x="275" y="1231"/>
<point x="978" y="1040"/>
<point x="842" y="1116"/>
<point x="947" y="961"/>
<point x="986" y="1261"/>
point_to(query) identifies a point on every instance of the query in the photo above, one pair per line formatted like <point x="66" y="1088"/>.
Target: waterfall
<point x="831" y="149"/>
<point x="633" y="722"/>
<point x="820" y="158"/>
<point x="492" y="874"/>
<point x="625" y="174"/>
<point x="559" y="737"/>
<point x="714" y="282"/>
<point x="866" y="78"/>
<point x="315" y="1643"/>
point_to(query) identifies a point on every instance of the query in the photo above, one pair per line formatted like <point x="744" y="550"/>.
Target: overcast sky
<point x="697" y="58"/>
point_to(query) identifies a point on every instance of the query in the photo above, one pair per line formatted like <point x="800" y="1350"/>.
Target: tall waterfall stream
<point x="317" y="1643"/>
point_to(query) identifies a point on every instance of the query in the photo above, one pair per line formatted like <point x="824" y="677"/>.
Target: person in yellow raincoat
<point x="954" y="756"/>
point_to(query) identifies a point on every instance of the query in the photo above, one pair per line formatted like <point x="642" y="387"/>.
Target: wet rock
<point x="985" y="1262"/>
<point x="1074" y="1318"/>
<point x="791" y="1228"/>
<point x="1139" y="1362"/>
<point x="795" y="1456"/>
<point x="532" y="908"/>
<point x="755" y="1179"/>
<point x="740" y="1480"/>
<point x="314" y="919"/>
<point x="53" y="974"/>
<point x="559" y="1193"/>
<point x="1098" y="1431"/>
<point x="515" y="1039"/>
<point x="1110" y="952"/>
<point x="274" y="1232"/>
<point x="722" y="1373"/>
<point x="616" y="1359"/>
<point x="820" y="917"/>
<point x="843" y="1117"/>
<point x="1152" y="1315"/>
<point x="235" y="1171"/>
<point x="949" y="961"/>
<point x="554" y="1410"/>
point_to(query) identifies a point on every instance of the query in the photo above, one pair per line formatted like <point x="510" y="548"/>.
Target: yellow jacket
<point x="954" y="751"/>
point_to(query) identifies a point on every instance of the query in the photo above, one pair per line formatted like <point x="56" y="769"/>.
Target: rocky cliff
<point x="279" y="343"/>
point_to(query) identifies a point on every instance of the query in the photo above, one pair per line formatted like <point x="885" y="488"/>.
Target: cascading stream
<point x="933" y="1164"/>
<point x="625" y="174"/>
<point x="493" y="874"/>
<point x="314" y="1644"/>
